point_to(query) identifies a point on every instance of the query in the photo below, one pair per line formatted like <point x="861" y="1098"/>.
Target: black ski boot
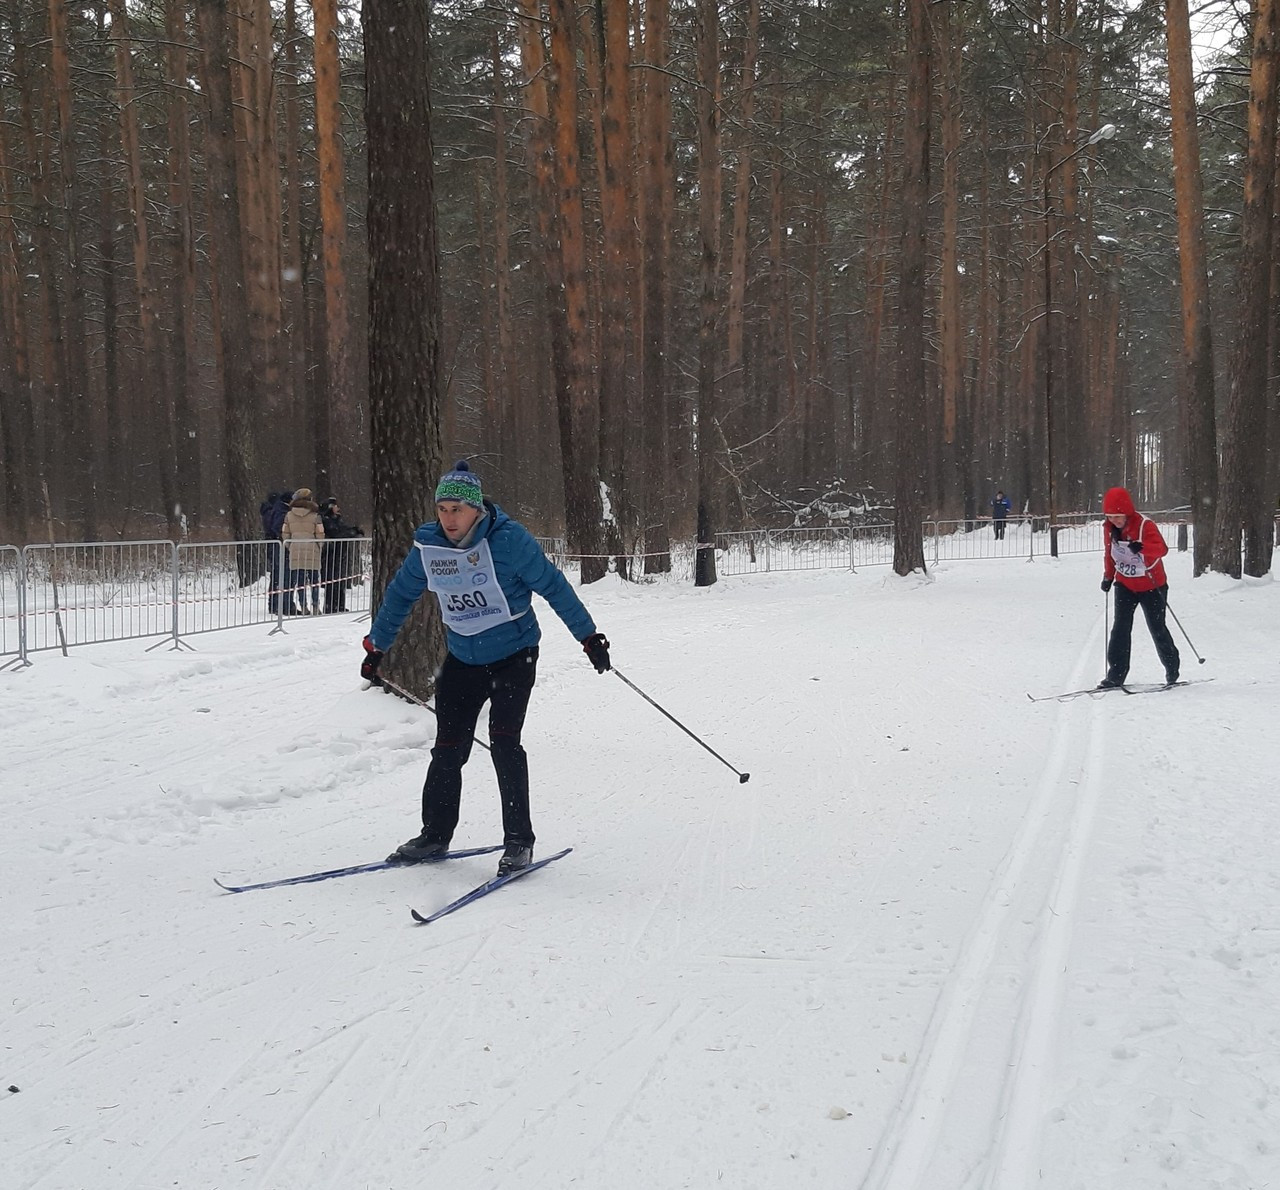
<point x="1109" y="683"/>
<point x="417" y="850"/>
<point x="515" y="858"/>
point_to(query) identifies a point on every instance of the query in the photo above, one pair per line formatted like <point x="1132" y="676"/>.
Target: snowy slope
<point x="944" y="939"/>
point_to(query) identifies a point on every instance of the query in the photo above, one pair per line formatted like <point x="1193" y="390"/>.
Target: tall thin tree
<point x="1245" y="506"/>
<point x="709" y="192"/>
<point x="241" y="389"/>
<point x="1199" y="418"/>
<point x="909" y="469"/>
<point x="344" y="429"/>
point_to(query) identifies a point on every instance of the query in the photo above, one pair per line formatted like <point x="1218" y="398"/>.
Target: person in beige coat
<point x="302" y="533"/>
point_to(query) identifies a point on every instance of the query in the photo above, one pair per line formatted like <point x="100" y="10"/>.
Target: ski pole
<point x="400" y="690"/>
<point x="1106" y="628"/>
<point x="743" y="778"/>
<point x="1181" y="629"/>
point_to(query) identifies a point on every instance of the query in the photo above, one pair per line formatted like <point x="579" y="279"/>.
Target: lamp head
<point x="1106" y="132"/>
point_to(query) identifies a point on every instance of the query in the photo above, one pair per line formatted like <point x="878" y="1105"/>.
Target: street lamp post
<point x="1106" y="132"/>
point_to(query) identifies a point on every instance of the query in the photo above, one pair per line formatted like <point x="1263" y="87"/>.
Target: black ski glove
<point x="597" y="650"/>
<point x="1106" y="584"/>
<point x="1136" y="546"/>
<point x="372" y="659"/>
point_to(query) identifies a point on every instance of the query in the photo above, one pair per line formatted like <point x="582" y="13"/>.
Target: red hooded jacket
<point x="1135" y="528"/>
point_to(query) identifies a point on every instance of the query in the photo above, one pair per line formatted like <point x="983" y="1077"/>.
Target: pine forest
<point x="659" y="268"/>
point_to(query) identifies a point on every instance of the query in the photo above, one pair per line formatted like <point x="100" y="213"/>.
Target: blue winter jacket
<point x="521" y="567"/>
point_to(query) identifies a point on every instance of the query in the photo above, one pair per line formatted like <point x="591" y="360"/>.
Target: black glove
<point x="597" y="650"/>
<point x="1106" y="584"/>
<point x="1136" y="546"/>
<point x="372" y="659"/>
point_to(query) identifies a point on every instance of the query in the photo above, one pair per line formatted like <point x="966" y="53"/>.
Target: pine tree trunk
<point x="1245" y="505"/>
<point x="735" y="311"/>
<point x="75" y="408"/>
<point x="404" y="305"/>
<point x="240" y="379"/>
<point x="153" y="362"/>
<point x="300" y="457"/>
<point x="47" y="393"/>
<point x="908" y="545"/>
<point x="345" y="431"/>
<point x="1199" y="418"/>
<point x="617" y="267"/>
<point x="505" y="363"/>
<point x="575" y="386"/>
<point x="956" y="452"/>
<point x="656" y="172"/>
<point x="15" y="364"/>
<point x="709" y="190"/>
<point x="185" y="377"/>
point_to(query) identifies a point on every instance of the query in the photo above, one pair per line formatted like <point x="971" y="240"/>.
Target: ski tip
<point x="422" y="921"/>
<point x="226" y="887"/>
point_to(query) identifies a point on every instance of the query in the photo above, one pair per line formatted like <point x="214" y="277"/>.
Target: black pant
<point x="1153" y="607"/>
<point x="999" y="527"/>
<point x="461" y="691"/>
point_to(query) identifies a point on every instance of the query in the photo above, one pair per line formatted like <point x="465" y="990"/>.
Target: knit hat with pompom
<point x="461" y="484"/>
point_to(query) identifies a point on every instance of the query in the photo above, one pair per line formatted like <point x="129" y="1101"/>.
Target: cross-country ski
<point x="354" y="870"/>
<point x="483" y="890"/>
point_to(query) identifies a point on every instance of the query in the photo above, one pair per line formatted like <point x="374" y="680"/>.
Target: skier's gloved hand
<point x="597" y="650"/>
<point x="1106" y="584"/>
<point x="1135" y="546"/>
<point x="372" y="659"/>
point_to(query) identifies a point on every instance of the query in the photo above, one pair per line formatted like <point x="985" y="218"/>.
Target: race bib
<point x="1128" y="564"/>
<point x="466" y="584"/>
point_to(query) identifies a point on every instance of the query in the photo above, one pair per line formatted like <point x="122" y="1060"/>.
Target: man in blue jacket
<point x="483" y="567"/>
<point x="999" y="511"/>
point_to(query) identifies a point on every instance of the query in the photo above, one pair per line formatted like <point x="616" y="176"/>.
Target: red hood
<point x="1118" y="500"/>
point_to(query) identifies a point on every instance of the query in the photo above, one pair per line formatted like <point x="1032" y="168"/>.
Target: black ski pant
<point x="1153" y="607"/>
<point x="461" y="692"/>
<point x="999" y="528"/>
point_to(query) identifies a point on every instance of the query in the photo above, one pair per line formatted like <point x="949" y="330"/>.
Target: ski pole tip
<point x="743" y="778"/>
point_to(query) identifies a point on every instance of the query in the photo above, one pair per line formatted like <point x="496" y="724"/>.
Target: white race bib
<point x="466" y="584"/>
<point x="1129" y="564"/>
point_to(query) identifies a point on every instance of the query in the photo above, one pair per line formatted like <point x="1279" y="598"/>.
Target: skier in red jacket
<point x="1133" y="549"/>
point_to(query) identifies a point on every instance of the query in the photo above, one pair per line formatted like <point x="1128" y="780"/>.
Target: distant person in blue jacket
<point x="999" y="510"/>
<point x="483" y="567"/>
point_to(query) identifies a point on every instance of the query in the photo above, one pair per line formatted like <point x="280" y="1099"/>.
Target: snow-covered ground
<point x="944" y="939"/>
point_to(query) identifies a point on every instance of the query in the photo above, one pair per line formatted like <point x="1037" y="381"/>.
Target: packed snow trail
<point x="1037" y="940"/>
<point x="919" y="1138"/>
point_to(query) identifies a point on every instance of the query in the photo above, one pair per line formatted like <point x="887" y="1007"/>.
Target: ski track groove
<point x="179" y="1125"/>
<point x="607" y="1069"/>
<point x="285" y="1140"/>
<point x="1014" y="1164"/>
<point x="912" y="1136"/>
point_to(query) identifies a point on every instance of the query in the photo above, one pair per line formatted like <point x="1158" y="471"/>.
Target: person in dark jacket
<point x="999" y="511"/>
<point x="273" y="510"/>
<point x="340" y="559"/>
<point x="484" y="568"/>
<point x="1134" y="548"/>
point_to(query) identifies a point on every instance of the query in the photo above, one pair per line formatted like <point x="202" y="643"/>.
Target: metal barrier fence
<point x="12" y="606"/>
<point x="59" y="596"/>
<point x="760" y="551"/>
<point x="236" y="584"/>
<point x="85" y="593"/>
